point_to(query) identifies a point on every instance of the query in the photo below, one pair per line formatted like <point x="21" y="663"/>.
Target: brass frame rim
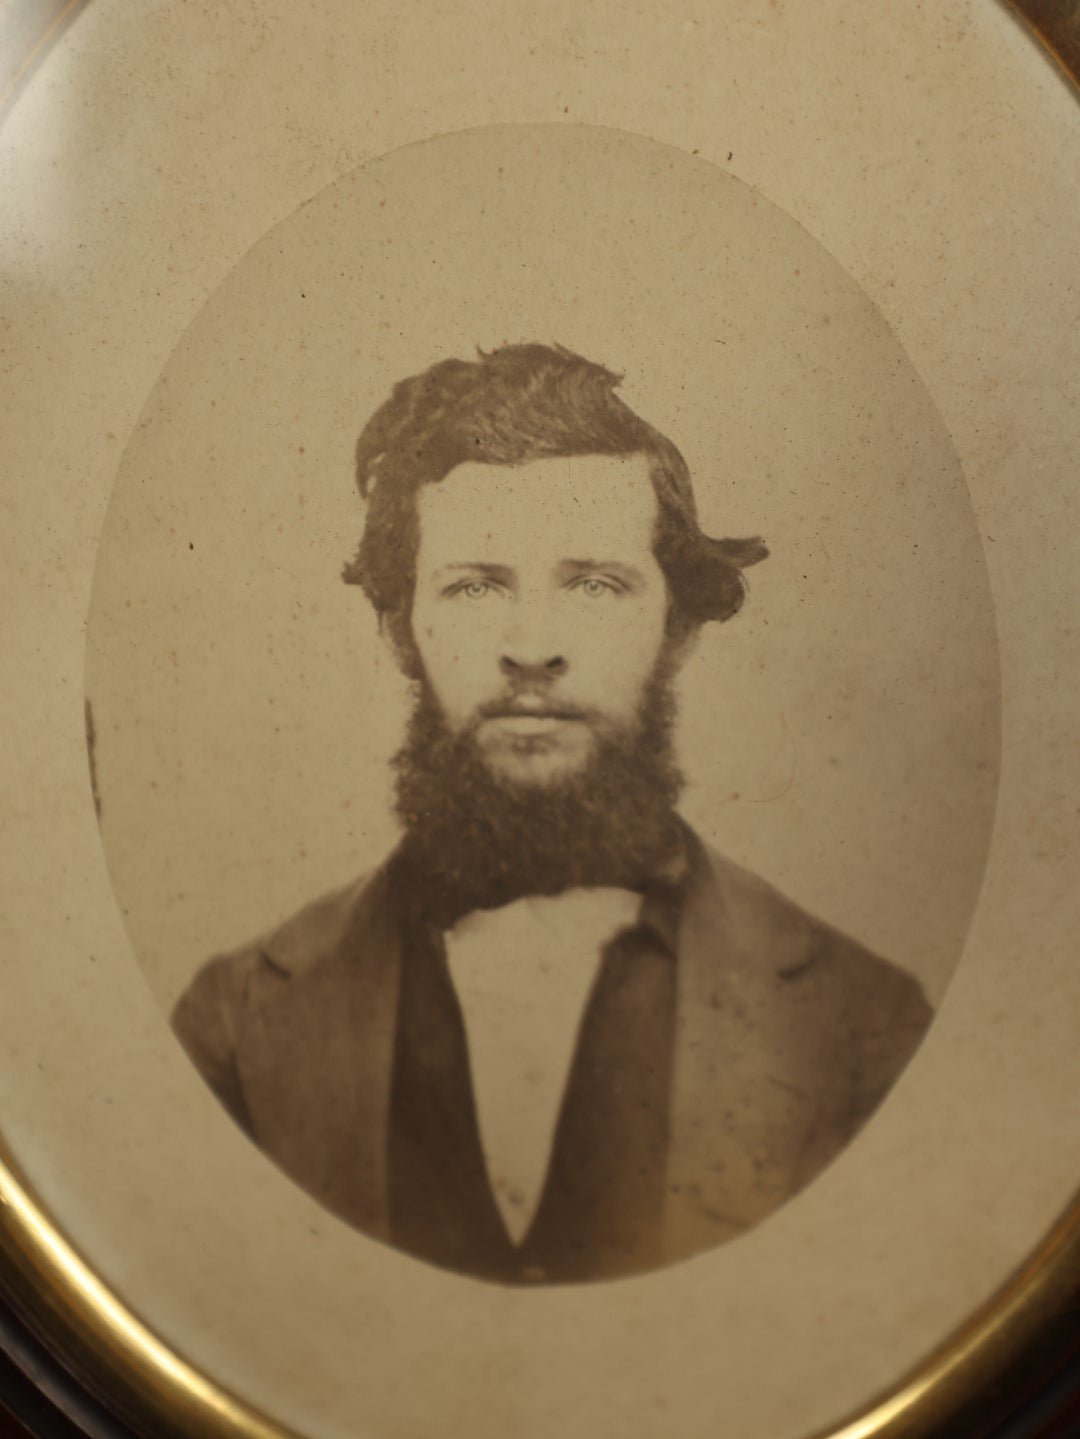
<point x="150" y="1385"/>
<point x="56" y="1291"/>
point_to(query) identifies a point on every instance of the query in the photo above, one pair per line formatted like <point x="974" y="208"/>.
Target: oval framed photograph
<point x="540" y="786"/>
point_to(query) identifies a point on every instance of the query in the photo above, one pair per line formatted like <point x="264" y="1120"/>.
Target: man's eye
<point x="594" y="587"/>
<point x="474" y="589"/>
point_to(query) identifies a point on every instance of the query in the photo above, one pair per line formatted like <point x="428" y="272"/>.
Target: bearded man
<point x="552" y="1037"/>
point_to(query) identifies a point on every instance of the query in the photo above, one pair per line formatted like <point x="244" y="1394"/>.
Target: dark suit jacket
<point x="787" y="1037"/>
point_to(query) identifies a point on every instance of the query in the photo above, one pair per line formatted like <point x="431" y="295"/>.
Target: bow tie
<point x="585" y="917"/>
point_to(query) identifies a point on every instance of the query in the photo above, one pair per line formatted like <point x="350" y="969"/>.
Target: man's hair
<point x="516" y="404"/>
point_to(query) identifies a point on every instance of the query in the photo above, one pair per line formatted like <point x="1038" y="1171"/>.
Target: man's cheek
<point x="612" y="688"/>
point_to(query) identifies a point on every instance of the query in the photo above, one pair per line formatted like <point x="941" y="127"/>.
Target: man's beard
<point x="477" y="840"/>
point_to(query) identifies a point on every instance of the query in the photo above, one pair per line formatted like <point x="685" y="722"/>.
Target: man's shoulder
<point x="232" y="980"/>
<point x="805" y="952"/>
<point x="319" y="928"/>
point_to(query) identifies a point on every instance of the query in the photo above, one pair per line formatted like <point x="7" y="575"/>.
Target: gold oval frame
<point x="55" y="1289"/>
<point x="1018" y="1331"/>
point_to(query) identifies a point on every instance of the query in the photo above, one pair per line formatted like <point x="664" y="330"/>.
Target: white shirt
<point x="523" y="975"/>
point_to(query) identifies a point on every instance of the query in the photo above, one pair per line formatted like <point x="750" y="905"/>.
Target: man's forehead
<point x="552" y="503"/>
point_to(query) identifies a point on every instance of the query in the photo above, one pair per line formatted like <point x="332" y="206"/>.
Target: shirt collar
<point x="663" y="894"/>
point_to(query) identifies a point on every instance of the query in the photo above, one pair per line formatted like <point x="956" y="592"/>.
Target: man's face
<point x="539" y="608"/>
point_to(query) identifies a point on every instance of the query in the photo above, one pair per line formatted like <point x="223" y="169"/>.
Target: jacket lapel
<point x="745" y="1074"/>
<point x="316" y="1054"/>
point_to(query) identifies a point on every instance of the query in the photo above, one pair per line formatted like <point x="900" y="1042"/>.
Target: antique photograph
<point x="552" y="1036"/>
<point x="544" y="737"/>
<point x="540" y="859"/>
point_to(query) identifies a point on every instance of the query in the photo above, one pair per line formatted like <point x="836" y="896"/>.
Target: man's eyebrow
<point x="472" y="567"/>
<point x="629" y="574"/>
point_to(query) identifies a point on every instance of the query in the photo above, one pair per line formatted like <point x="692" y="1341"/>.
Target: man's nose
<point x="525" y="671"/>
<point x="531" y="648"/>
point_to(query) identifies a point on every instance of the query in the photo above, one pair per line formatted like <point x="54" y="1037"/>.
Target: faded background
<point x="840" y="736"/>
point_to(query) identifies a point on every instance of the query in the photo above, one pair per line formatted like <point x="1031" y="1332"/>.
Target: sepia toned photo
<point x="540" y="884"/>
<point x="552" y="1037"/>
<point x="486" y="967"/>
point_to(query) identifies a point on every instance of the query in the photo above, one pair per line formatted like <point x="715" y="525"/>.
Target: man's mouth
<point x="536" y="722"/>
<point x="524" y="709"/>
<point x="522" y="719"/>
